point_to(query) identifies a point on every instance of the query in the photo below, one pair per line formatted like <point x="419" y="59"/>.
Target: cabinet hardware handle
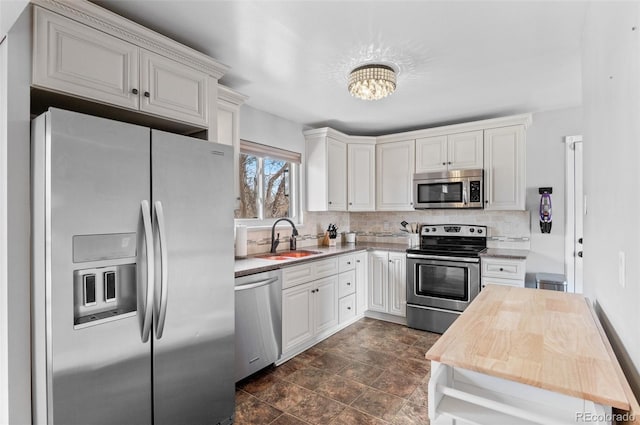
<point x="147" y="94"/>
<point x="486" y="202"/>
<point x="349" y="263"/>
<point x="357" y="261"/>
<point x="501" y="269"/>
<point x="444" y="163"/>
<point x="318" y="290"/>
<point x="329" y="202"/>
<point x="350" y="203"/>
<point x="410" y="203"/>
<point x="449" y="162"/>
<point x="348" y="283"/>
<point x="348" y="308"/>
<point x="134" y="91"/>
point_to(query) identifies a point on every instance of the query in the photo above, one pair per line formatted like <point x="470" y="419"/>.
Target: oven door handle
<point x="444" y="258"/>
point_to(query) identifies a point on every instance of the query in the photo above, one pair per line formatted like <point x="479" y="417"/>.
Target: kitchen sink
<point x="288" y="255"/>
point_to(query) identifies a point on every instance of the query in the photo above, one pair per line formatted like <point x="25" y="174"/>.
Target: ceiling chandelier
<point x="372" y="81"/>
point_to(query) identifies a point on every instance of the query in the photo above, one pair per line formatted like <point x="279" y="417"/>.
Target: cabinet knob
<point x="449" y="162"/>
<point x="134" y="91"/>
<point x="350" y="203"/>
<point x="348" y="308"/>
<point x="348" y="283"/>
<point x="486" y="202"/>
<point x="484" y="286"/>
<point x="349" y="263"/>
<point x="390" y="261"/>
<point x="318" y="290"/>
<point x="501" y="269"/>
<point x="444" y="163"/>
<point x="410" y="203"/>
<point x="147" y="94"/>
<point x="357" y="261"/>
<point x="329" y="202"/>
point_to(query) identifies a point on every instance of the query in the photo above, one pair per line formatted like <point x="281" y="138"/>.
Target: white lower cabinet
<point x="503" y="271"/>
<point x="361" y="282"/>
<point x="387" y="282"/>
<point x="319" y="298"/>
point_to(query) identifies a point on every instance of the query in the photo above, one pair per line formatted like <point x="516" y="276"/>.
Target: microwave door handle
<point x="464" y="195"/>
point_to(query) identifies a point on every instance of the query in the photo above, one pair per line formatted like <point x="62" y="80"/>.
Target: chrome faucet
<point x="274" y="241"/>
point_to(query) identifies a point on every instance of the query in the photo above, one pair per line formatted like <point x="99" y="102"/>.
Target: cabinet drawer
<point x="346" y="283"/>
<point x="292" y="276"/>
<point x="346" y="262"/>
<point x="497" y="281"/>
<point x="325" y="268"/>
<point x="307" y="272"/>
<point x="347" y="308"/>
<point x="503" y="268"/>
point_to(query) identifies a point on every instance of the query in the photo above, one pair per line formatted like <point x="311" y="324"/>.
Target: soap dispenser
<point x="292" y="243"/>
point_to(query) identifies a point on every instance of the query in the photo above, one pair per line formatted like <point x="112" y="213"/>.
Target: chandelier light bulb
<point x="372" y="82"/>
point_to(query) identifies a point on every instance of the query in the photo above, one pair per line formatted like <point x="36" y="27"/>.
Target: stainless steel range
<point x="443" y="274"/>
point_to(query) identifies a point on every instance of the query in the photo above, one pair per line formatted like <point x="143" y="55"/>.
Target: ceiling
<point x="457" y="61"/>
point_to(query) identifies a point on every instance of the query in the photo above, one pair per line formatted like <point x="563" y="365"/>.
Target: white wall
<point x="546" y="167"/>
<point x="611" y="102"/>
<point x="15" y="361"/>
<point x="10" y="10"/>
<point x="261" y="127"/>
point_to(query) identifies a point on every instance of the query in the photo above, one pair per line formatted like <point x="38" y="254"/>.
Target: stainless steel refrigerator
<point x="133" y="291"/>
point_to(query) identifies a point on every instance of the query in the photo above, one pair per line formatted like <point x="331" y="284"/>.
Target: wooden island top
<point x="546" y="339"/>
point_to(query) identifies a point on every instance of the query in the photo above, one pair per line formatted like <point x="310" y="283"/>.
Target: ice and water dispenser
<point x="104" y="292"/>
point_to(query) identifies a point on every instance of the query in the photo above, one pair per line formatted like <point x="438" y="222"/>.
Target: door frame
<point x="570" y="202"/>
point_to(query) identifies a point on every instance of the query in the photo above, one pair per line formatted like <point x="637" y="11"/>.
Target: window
<point x="268" y="183"/>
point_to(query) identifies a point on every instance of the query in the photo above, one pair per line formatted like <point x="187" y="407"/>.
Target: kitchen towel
<point x="241" y="240"/>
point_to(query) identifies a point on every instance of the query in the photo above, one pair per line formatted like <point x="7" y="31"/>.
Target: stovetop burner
<point x="453" y="240"/>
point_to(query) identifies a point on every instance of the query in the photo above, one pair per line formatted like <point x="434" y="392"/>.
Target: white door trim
<point x="570" y="203"/>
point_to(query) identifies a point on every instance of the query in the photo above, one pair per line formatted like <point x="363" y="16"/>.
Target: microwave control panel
<point x="474" y="191"/>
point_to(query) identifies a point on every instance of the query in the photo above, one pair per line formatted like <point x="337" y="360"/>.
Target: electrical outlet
<point x="622" y="269"/>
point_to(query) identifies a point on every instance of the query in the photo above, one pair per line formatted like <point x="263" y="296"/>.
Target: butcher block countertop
<point x="547" y="339"/>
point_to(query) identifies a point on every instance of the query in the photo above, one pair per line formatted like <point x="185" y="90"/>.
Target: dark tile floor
<point x="372" y="372"/>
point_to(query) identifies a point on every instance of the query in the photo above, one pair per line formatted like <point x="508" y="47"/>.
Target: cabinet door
<point x="297" y="315"/>
<point x="394" y="176"/>
<point x="431" y="154"/>
<point x="361" y="282"/>
<point x="397" y="284"/>
<point x="73" y="58"/>
<point x="171" y="89"/>
<point x="326" y="304"/>
<point x="465" y="150"/>
<point x="361" y="178"/>
<point x="378" y="270"/>
<point x="336" y="175"/>
<point x="504" y="165"/>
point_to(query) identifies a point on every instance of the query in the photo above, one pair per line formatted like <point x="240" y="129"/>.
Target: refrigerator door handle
<point x="161" y="312"/>
<point x="148" y="240"/>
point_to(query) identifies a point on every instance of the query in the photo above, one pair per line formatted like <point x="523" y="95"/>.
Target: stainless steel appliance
<point x="133" y="314"/>
<point x="443" y="274"/>
<point x="448" y="189"/>
<point x="258" y="321"/>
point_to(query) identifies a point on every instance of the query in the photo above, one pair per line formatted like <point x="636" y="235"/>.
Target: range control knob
<point x="433" y="229"/>
<point x="426" y="230"/>
<point x="479" y="230"/>
<point x="473" y="230"/>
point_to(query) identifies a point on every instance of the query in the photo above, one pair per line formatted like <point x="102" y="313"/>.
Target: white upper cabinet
<point x="337" y="175"/>
<point x="171" y="89"/>
<point x="326" y="166"/>
<point x="504" y="168"/>
<point x="361" y="177"/>
<point x="458" y="151"/>
<point x="101" y="57"/>
<point x="73" y="58"/>
<point x="394" y="175"/>
<point x="340" y="174"/>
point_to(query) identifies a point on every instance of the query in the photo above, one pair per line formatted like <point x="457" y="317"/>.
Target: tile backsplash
<point x="506" y="229"/>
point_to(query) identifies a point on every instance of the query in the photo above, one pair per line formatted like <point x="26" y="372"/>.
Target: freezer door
<point x="193" y="360"/>
<point x="90" y="364"/>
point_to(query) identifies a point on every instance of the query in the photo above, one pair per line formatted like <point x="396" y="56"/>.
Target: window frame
<point x="295" y="210"/>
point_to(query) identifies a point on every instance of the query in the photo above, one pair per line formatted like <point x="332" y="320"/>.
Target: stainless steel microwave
<point x="448" y="189"/>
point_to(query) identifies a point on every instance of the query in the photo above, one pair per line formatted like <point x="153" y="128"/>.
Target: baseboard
<point x="386" y="317"/>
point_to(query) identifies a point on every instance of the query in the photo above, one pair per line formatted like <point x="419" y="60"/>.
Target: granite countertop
<point x="514" y="254"/>
<point x="255" y="264"/>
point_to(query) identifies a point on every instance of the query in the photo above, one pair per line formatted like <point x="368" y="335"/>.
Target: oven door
<point x="449" y="192"/>
<point x="449" y="283"/>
